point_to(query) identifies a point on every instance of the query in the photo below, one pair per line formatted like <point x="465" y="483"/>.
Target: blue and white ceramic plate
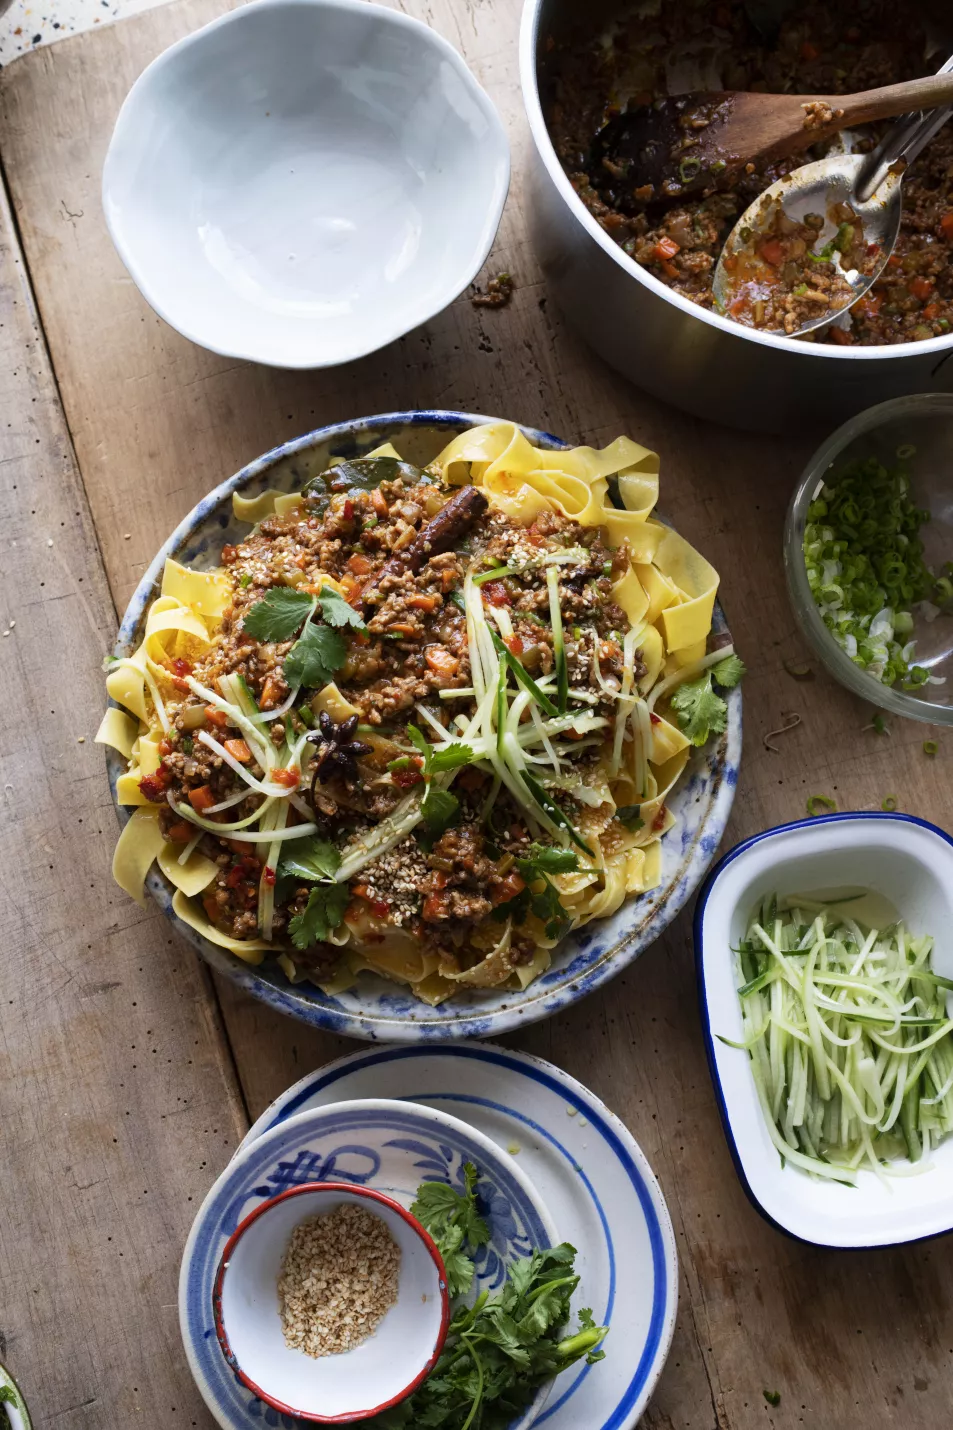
<point x="375" y="1008"/>
<point x="589" y="1171"/>
<point x="369" y="1142"/>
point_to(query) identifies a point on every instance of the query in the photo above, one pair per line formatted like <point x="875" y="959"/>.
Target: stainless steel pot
<point x="669" y="346"/>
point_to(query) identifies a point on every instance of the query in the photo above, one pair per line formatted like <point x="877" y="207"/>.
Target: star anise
<point x="337" y="750"/>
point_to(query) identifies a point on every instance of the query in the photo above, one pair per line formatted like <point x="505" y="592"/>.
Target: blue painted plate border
<point x="377" y="1010"/>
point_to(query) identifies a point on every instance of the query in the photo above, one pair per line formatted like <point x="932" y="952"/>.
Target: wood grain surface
<point x="858" y="1340"/>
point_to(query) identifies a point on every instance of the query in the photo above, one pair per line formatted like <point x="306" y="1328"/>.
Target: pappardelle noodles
<point x="422" y="722"/>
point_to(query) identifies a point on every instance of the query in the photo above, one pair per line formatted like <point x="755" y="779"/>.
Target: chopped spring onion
<point x="930" y="747"/>
<point x="848" y="1035"/>
<point x="865" y="566"/>
<point x="798" y="672"/>
<point x="889" y="803"/>
<point x="820" y="804"/>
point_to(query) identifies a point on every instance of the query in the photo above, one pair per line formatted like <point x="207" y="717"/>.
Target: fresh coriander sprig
<point x="454" y="1222"/>
<point x="323" y="913"/>
<point x="540" y="896"/>
<point x="319" y="652"/>
<point x="439" y="807"/>
<point x="699" y="710"/>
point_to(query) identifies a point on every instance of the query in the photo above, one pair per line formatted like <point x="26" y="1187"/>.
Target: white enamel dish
<point x="301" y="182"/>
<point x="910" y="863"/>
<point x="376" y="1008"/>
<point x="374" y="1143"/>
<point x="589" y="1171"/>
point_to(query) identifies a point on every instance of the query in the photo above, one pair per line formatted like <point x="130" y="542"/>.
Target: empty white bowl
<point x="910" y="863"/>
<point x="303" y="181"/>
<point x="379" y="1372"/>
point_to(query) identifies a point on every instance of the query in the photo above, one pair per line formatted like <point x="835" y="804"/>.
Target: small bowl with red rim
<point x="334" y="1389"/>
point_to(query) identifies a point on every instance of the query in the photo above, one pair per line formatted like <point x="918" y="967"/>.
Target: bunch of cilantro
<point x="500" y="1350"/>
<point x="699" y="709"/>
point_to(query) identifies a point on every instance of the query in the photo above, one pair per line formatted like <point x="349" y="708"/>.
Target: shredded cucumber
<point x="849" y="1037"/>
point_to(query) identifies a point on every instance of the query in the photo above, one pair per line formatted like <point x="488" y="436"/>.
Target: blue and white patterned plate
<point x="375" y="1008"/>
<point x="375" y="1143"/>
<point x="590" y="1172"/>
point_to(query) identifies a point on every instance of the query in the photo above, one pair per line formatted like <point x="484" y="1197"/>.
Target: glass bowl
<point x="921" y="428"/>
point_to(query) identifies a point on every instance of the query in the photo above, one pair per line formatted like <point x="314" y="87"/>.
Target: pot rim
<point x="529" y="84"/>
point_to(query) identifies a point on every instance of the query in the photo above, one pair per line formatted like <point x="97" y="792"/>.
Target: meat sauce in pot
<point x="659" y="47"/>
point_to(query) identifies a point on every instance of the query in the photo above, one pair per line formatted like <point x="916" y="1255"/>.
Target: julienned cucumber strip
<point x="523" y="677"/>
<point x="847" y="1031"/>
<point x="559" y="647"/>
<point x="551" y="808"/>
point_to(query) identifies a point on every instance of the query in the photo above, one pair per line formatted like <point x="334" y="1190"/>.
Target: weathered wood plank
<point x="117" y="1095"/>
<point x="157" y="421"/>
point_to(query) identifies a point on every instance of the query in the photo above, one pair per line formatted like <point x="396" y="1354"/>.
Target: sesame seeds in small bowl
<point x="331" y="1302"/>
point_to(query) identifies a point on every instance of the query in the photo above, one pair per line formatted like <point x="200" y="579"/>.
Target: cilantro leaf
<point x="728" y="672"/>
<point x="278" y="615"/>
<point x="338" y="612"/>
<point x="453" y="1220"/>
<point x="310" y="859"/>
<point x="316" y="658"/>
<point x="439" y="809"/>
<point x="631" y="816"/>
<point x="699" y="711"/>
<point x="437" y="761"/>
<point x="323" y="912"/>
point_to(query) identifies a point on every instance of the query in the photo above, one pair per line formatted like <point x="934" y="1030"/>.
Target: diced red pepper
<point x="288" y="777"/>
<point x="229" y="552"/>
<point x="659" y="819"/>
<point x="348" y="510"/>
<point x="497" y="594"/>
<point x="155" y="786"/>
<point x="269" y="876"/>
<point x="655" y="719"/>
<point x="514" y="644"/>
<point x="507" y="889"/>
<point x="410" y="776"/>
<point x="772" y="251"/>
<point x="921" y="288"/>
<point x="946" y="227"/>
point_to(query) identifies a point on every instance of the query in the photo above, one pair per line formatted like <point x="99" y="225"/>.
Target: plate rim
<point x="470" y="1020"/>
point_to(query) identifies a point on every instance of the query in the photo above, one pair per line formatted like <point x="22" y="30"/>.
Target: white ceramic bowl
<point x="910" y="862"/>
<point x="303" y="181"/>
<point x="380" y="1372"/>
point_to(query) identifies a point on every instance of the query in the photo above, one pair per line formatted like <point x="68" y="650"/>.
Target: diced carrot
<point x="288" y="777"/>
<point x="401" y="628"/>
<point x="302" y="559"/>
<point x="946" y="225"/>
<point x="435" y="906"/>
<point x="508" y="889"/>
<point x="201" y="799"/>
<point x="238" y="750"/>
<point x="269" y="692"/>
<point x="360" y="564"/>
<point x="772" y="251"/>
<point x="869" y="305"/>
<point x="894" y="260"/>
<point x="669" y="269"/>
<point x="842" y="338"/>
<point x="514" y="644"/>
<point x="931" y="311"/>
<point x="441" y="662"/>
<point x="422" y="603"/>
<point x="214" y="716"/>
<point x="667" y="248"/>
<point x="379" y="502"/>
<point x="182" y="832"/>
<point x="921" y="288"/>
<point x="164" y="748"/>
<point x="351" y="587"/>
<point x="496" y="594"/>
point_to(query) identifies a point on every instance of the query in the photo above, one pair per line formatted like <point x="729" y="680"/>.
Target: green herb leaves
<point x="316" y="658"/>
<point x="439" y="807"/>
<point x="323" y="912"/>
<point x="541" y="897"/>
<point x="365" y="474"/>
<point x="701" y="712"/>
<point x="453" y="1221"/>
<point x="631" y="816"/>
<point x="310" y="859"/>
<point x="278" y="615"/>
<point x="336" y="610"/>
<point x="319" y="653"/>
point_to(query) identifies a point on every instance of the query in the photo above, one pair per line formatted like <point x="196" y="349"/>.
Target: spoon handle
<point x="915" y="94"/>
<point x="902" y="143"/>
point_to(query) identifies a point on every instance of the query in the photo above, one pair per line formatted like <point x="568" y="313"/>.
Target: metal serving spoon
<point x="869" y="184"/>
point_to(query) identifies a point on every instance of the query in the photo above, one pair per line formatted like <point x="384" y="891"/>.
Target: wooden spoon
<point x="689" y="144"/>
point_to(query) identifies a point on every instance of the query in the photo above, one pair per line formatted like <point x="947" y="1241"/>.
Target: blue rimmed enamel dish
<point x="377" y="1009"/>
<point x="909" y="862"/>
<point x="592" y="1176"/>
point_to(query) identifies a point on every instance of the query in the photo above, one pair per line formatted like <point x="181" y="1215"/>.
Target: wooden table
<point x="127" y="1073"/>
